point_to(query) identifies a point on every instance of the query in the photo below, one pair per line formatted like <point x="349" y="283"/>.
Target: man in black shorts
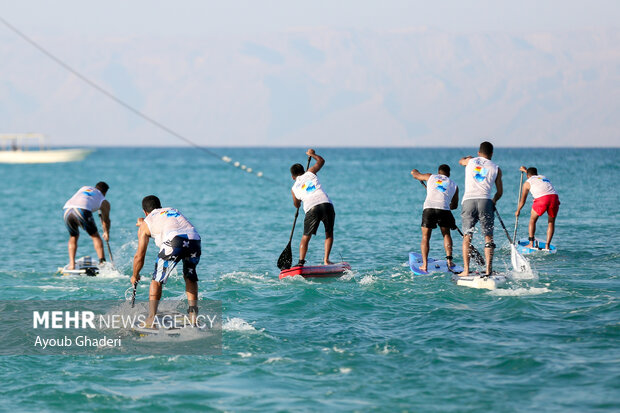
<point x="317" y="205"/>
<point x="442" y="195"/>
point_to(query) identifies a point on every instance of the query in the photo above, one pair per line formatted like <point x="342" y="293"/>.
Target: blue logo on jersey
<point x="441" y="185"/>
<point x="308" y="187"/>
<point x="172" y="213"/>
<point x="88" y="192"/>
<point x="480" y="173"/>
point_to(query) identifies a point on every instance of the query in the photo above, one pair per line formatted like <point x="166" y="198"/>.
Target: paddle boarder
<point x="78" y="212"/>
<point x="442" y="195"/>
<point x="317" y="205"/>
<point x="546" y="199"/>
<point x="177" y="240"/>
<point x="478" y="205"/>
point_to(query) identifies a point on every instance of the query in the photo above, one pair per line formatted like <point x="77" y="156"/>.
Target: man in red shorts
<point x="545" y="200"/>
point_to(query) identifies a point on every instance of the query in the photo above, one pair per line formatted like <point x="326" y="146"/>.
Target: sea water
<point x="378" y="338"/>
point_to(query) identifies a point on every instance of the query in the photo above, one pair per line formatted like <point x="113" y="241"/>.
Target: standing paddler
<point x="317" y="205"/>
<point x="178" y="240"/>
<point x="78" y="212"/>
<point x="442" y="195"/>
<point x="478" y="205"/>
<point x="545" y="200"/>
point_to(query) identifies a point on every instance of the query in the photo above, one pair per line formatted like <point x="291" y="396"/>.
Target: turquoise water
<point x="379" y="339"/>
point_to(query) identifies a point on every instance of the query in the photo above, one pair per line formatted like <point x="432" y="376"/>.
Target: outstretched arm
<point x="454" y="204"/>
<point x="464" y="161"/>
<point x="105" y="219"/>
<point x="319" y="161"/>
<point x="499" y="185"/>
<point x="526" y="190"/>
<point x="143" y="243"/>
<point x="296" y="201"/>
<point x="419" y="176"/>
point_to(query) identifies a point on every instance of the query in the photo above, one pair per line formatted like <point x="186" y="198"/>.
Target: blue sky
<point x="344" y="73"/>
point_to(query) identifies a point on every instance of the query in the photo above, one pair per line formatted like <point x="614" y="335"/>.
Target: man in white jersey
<point x="178" y="240"/>
<point x="545" y="200"/>
<point x="78" y="212"/>
<point x="480" y="175"/>
<point x="317" y="205"/>
<point x="442" y="195"/>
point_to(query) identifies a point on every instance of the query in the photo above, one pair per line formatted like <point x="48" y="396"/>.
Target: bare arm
<point x="319" y="161"/>
<point x="464" y="161"/>
<point x="296" y="201"/>
<point x="420" y="176"/>
<point x="526" y="190"/>
<point x="499" y="185"/>
<point x="105" y="219"/>
<point x="454" y="204"/>
<point x="143" y="242"/>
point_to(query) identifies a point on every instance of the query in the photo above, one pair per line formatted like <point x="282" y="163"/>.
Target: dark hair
<point x="532" y="171"/>
<point x="151" y="202"/>
<point x="102" y="186"/>
<point x="297" y="170"/>
<point x="486" y="148"/>
<point x="444" y="169"/>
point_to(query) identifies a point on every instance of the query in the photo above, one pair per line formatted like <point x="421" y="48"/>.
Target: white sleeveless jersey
<point x="439" y="192"/>
<point x="87" y="197"/>
<point x="540" y="185"/>
<point x="166" y="223"/>
<point x="480" y="174"/>
<point x="307" y="189"/>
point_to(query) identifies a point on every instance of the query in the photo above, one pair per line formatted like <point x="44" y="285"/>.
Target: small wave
<point x="238" y="324"/>
<point x="245" y="355"/>
<point x="56" y="287"/>
<point x="519" y="291"/>
<point x="367" y="280"/>
<point x="273" y="360"/>
<point x="345" y="370"/>
<point x="245" y="277"/>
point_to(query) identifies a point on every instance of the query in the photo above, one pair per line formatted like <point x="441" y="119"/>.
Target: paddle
<point x="286" y="258"/>
<point x="133" y="294"/>
<point x="107" y="242"/>
<point x="473" y="252"/>
<point x="514" y="236"/>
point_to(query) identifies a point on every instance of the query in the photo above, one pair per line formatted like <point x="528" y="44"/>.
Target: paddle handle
<point x="290" y="239"/>
<point x="503" y="226"/>
<point x="514" y="236"/>
<point x="106" y="241"/>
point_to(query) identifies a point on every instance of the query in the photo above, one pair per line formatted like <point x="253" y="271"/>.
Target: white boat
<point x="15" y="148"/>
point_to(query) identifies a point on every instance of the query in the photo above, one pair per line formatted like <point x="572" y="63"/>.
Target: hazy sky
<point x="287" y="73"/>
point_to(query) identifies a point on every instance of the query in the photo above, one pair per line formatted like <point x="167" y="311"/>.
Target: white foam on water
<point x="106" y="270"/>
<point x="348" y="275"/>
<point x="274" y="360"/>
<point x="245" y="355"/>
<point x="504" y="292"/>
<point x="56" y="287"/>
<point x="246" y="277"/>
<point x="338" y="350"/>
<point x="367" y="280"/>
<point x="345" y="370"/>
<point x="528" y="275"/>
<point x="239" y="324"/>
<point x="387" y="349"/>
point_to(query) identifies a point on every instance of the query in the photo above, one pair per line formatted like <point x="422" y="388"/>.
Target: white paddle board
<point x="83" y="266"/>
<point x="490" y="282"/>
<point x="434" y="266"/>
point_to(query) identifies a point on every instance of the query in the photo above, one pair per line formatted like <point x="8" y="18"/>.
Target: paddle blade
<point x="286" y="258"/>
<point x="519" y="263"/>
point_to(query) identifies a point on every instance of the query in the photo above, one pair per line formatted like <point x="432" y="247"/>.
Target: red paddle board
<point x="317" y="271"/>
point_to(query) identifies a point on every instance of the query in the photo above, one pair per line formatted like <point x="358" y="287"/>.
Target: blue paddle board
<point x="521" y="247"/>
<point x="434" y="266"/>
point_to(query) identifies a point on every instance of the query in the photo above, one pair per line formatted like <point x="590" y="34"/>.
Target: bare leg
<point x="72" y="251"/>
<point x="532" y="227"/>
<point x="466" y="246"/>
<point x="550" y="231"/>
<point x="424" y="247"/>
<point x="303" y="246"/>
<point x="488" y="253"/>
<point x="154" y="297"/>
<point x="191" y="289"/>
<point x="329" y="241"/>
<point x="447" y="244"/>
<point x="98" y="244"/>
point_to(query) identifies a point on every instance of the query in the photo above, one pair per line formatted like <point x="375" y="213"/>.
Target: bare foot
<point x="530" y="245"/>
<point x="465" y="273"/>
<point x="327" y="262"/>
<point x="424" y="268"/>
<point x="71" y="267"/>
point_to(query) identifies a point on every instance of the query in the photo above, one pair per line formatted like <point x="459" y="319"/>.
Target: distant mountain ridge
<point x="323" y="87"/>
